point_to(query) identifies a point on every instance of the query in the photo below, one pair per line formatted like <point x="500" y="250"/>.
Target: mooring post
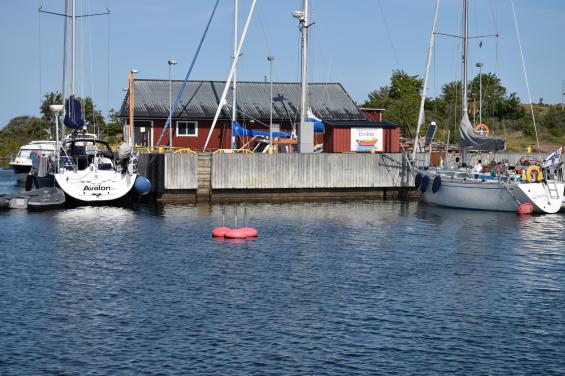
<point x="235" y="217"/>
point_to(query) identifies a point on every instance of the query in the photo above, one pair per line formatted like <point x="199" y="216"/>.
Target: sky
<point x="355" y="42"/>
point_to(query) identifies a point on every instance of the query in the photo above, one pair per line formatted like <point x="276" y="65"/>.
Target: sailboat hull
<point x="493" y="196"/>
<point x="96" y="186"/>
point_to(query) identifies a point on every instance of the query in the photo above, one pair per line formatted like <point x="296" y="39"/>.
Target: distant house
<point x="193" y="119"/>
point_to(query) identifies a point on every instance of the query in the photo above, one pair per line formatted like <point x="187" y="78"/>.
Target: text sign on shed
<point x="367" y="139"/>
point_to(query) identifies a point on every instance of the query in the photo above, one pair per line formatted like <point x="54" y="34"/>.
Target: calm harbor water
<point x="361" y="287"/>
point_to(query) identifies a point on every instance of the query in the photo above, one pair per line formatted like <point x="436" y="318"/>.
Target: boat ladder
<point x="552" y="189"/>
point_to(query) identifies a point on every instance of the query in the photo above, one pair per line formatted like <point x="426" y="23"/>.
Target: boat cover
<point x="469" y="137"/>
<point x="73" y="113"/>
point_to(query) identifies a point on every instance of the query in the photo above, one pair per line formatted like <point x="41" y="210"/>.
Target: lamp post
<point x="480" y="66"/>
<point x="171" y="63"/>
<point x="130" y="81"/>
<point x="271" y="58"/>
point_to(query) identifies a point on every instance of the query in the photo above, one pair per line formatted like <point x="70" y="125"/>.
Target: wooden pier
<point x="221" y="177"/>
<point x="236" y="177"/>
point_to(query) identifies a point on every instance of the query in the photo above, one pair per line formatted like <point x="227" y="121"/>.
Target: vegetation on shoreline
<point x="503" y="112"/>
<point x="23" y="129"/>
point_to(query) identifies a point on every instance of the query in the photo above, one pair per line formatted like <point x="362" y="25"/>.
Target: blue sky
<point x="355" y="42"/>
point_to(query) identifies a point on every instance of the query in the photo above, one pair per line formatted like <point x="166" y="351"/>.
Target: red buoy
<point x="236" y="233"/>
<point x="251" y="232"/>
<point x="526" y="208"/>
<point x="220" y="232"/>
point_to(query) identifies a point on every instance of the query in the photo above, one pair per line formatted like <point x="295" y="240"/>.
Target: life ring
<point x="534" y="169"/>
<point x="418" y="180"/>
<point x="436" y="185"/>
<point x="425" y="183"/>
<point x="482" y="129"/>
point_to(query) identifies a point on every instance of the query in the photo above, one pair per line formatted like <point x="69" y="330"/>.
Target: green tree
<point x="401" y="99"/>
<point x="49" y="99"/>
<point x="21" y="130"/>
<point x="554" y="121"/>
<point x="92" y="116"/>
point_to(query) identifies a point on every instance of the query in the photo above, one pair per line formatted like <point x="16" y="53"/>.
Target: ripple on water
<point x="327" y="288"/>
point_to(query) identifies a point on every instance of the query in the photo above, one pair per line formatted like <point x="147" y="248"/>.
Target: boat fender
<point x="418" y="180"/>
<point x="525" y="208"/>
<point x="533" y="173"/>
<point x="142" y="185"/>
<point x="29" y="183"/>
<point x="436" y="185"/>
<point x="425" y="183"/>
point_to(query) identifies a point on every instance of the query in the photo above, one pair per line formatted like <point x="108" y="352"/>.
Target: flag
<point x="552" y="158"/>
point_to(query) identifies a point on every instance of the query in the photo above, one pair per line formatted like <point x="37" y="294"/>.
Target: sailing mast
<point x="465" y="109"/>
<point x="73" y="48"/>
<point x="234" y="85"/>
<point x="230" y="76"/>
<point x="305" y="130"/>
<point x="425" y="87"/>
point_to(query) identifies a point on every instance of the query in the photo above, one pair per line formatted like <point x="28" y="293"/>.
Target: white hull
<point x="95" y="185"/>
<point x="478" y="195"/>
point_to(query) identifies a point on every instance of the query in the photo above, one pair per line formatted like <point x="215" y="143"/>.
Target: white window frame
<point x="186" y="135"/>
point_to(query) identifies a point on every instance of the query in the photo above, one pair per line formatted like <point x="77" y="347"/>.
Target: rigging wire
<point x="388" y="35"/>
<point x="108" y="32"/>
<point x="40" y="53"/>
<point x="525" y="73"/>
<point x="177" y="100"/>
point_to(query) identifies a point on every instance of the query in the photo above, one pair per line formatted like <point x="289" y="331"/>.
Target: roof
<point x="369" y="109"/>
<point x="360" y="123"/>
<point x="200" y="100"/>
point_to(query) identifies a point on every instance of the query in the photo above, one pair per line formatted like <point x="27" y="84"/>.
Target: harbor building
<point x="346" y="127"/>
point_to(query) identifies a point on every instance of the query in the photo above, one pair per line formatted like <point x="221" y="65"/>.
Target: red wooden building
<point x="193" y="118"/>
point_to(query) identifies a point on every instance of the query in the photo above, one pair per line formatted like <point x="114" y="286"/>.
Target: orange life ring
<point x="482" y="129"/>
<point x="533" y="174"/>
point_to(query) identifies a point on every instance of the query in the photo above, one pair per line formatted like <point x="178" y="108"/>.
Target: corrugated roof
<point x="329" y="101"/>
<point x="360" y="123"/>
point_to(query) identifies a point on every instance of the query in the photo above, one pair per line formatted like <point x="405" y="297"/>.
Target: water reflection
<point x="326" y="288"/>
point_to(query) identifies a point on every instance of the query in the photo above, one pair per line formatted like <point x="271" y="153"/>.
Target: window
<point x="187" y="128"/>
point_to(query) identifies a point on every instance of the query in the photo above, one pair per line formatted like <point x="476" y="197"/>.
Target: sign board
<point x="367" y="139"/>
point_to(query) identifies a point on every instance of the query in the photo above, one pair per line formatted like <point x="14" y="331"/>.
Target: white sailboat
<point x="83" y="166"/>
<point x="460" y="188"/>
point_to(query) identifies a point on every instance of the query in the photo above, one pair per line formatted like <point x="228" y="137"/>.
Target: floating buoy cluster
<point x="244" y="232"/>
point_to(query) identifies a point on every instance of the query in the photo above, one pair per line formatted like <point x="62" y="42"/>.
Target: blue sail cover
<point x="73" y="113"/>
<point x="238" y="130"/>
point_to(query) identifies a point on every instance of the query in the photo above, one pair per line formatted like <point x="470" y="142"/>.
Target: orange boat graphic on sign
<point x="367" y="142"/>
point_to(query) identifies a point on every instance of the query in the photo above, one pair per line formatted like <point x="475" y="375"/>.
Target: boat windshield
<point x="84" y="152"/>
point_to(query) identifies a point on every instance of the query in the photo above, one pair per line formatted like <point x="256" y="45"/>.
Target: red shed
<point x="375" y="114"/>
<point x="344" y="136"/>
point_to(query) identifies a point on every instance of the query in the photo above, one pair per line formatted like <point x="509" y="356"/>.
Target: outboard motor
<point x="125" y="156"/>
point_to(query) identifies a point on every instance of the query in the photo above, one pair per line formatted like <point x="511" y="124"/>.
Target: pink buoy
<point x="525" y="208"/>
<point x="236" y="233"/>
<point x="251" y="232"/>
<point x="220" y="232"/>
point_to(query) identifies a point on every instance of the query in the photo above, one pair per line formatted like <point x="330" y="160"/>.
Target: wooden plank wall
<point x="309" y="171"/>
<point x="181" y="171"/>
